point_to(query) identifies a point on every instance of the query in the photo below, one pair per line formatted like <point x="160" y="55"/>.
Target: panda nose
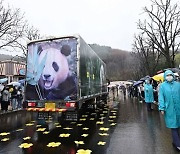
<point x="46" y="76"/>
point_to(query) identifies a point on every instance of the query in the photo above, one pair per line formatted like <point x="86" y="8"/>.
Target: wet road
<point x="139" y="131"/>
<point x="119" y="128"/>
<point x="22" y="133"/>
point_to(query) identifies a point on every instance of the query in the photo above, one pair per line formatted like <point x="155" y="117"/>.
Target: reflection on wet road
<point x="139" y="131"/>
<point x="123" y="127"/>
<point x="21" y="132"/>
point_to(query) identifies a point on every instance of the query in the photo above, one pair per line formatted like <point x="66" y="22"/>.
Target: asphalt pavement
<point x="139" y="131"/>
<point x="123" y="126"/>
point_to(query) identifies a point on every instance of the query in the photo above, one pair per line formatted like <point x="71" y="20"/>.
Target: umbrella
<point x="137" y="83"/>
<point x="14" y="84"/>
<point x="144" y="78"/>
<point x="3" y="80"/>
<point x="22" y="81"/>
<point x="174" y="70"/>
<point x="176" y="74"/>
<point x="128" y="83"/>
<point x="159" y="77"/>
<point x="161" y="71"/>
<point x="111" y="85"/>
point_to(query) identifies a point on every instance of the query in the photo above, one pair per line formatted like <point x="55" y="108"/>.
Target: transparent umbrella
<point x="3" y="80"/>
<point x="14" y="84"/>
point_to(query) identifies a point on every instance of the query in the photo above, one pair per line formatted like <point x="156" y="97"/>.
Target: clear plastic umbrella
<point x="3" y="80"/>
<point x="14" y="84"/>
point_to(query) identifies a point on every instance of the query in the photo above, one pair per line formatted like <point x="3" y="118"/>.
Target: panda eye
<point x="55" y="66"/>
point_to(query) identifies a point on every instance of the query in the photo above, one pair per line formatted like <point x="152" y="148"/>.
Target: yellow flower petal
<point x="18" y="130"/>
<point x="84" y="116"/>
<point x="103" y="134"/>
<point x="113" y="111"/>
<point x="104" y="129"/>
<point x="82" y="151"/>
<point x="4" y="134"/>
<point x="54" y="144"/>
<point x="93" y="113"/>
<point x="91" y="118"/>
<point x="56" y="123"/>
<point x="85" y="128"/>
<point x="82" y="119"/>
<point x="64" y="135"/>
<point x="46" y="132"/>
<point x="101" y="143"/>
<point x="58" y="126"/>
<point x="26" y="145"/>
<point x="67" y="128"/>
<point x="112" y="117"/>
<point x="84" y="135"/>
<point x="113" y="124"/>
<point x="100" y="122"/>
<point x="79" y="124"/>
<point x="5" y="139"/>
<point x="79" y="142"/>
<point x="41" y="129"/>
<point x="30" y="124"/>
<point x="27" y="138"/>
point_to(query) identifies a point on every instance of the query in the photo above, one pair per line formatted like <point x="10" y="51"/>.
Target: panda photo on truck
<point x="57" y="81"/>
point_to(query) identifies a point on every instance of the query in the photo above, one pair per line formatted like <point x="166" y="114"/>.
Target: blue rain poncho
<point x="148" y="93"/>
<point x="169" y="101"/>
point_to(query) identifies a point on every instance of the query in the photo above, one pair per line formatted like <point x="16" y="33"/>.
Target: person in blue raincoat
<point x="169" y="105"/>
<point x="148" y="93"/>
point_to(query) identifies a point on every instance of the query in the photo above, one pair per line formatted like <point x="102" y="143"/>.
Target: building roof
<point x="4" y="57"/>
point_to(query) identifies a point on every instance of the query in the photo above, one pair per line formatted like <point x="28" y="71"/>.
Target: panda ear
<point x="66" y="50"/>
<point x="39" y="50"/>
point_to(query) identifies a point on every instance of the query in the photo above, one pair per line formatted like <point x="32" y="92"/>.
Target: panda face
<point x="56" y="68"/>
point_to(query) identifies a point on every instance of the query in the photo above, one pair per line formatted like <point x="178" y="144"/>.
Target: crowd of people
<point x="138" y="90"/>
<point x="11" y="98"/>
<point x="167" y="96"/>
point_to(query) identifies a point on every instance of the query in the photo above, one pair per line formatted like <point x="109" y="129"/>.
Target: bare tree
<point x="163" y="29"/>
<point x="12" y="25"/>
<point x="30" y="33"/>
<point x="147" y="54"/>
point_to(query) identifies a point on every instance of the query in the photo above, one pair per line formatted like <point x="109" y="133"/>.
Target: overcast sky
<point x="105" y="22"/>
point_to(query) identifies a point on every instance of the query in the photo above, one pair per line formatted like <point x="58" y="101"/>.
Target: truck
<point x="64" y="75"/>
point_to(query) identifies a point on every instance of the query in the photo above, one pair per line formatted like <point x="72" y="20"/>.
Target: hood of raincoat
<point x="147" y="80"/>
<point x="167" y="73"/>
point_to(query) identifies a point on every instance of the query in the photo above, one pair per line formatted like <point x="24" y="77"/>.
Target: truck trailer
<point x="65" y="75"/>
